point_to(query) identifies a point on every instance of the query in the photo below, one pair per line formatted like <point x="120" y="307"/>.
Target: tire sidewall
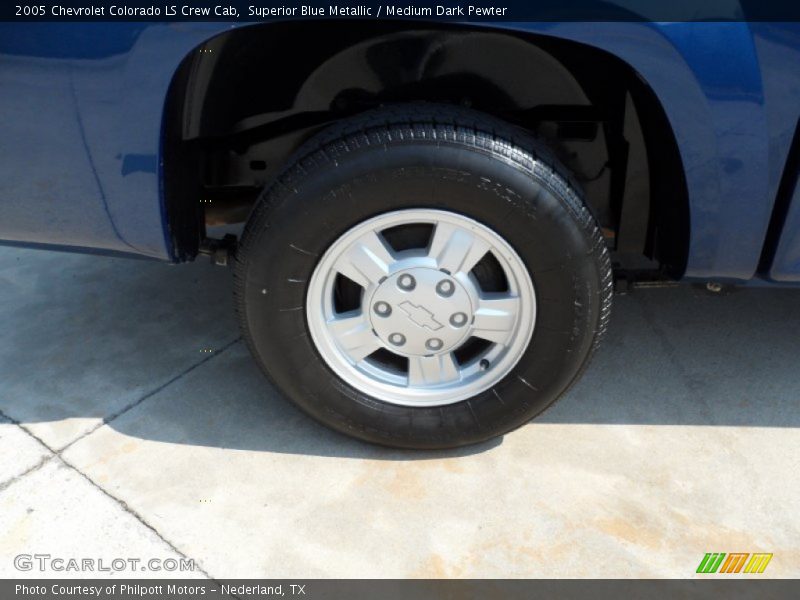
<point x="325" y="196"/>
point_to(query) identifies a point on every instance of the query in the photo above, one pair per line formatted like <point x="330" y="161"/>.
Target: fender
<point x="96" y="140"/>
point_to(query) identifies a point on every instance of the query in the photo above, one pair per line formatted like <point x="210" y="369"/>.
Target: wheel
<point x="422" y="277"/>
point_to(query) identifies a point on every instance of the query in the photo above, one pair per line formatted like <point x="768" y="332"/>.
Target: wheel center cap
<point x="421" y="311"/>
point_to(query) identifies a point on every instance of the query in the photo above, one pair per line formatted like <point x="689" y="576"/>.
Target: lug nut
<point x="445" y="288"/>
<point x="458" y="319"/>
<point x="398" y="339"/>
<point x="484" y="364"/>
<point x="406" y="282"/>
<point x="383" y="309"/>
<point x="434" y="344"/>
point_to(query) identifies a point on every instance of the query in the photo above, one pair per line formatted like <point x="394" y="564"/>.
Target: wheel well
<point x="243" y="102"/>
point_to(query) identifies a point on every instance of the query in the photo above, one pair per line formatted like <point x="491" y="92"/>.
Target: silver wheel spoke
<point x="366" y="262"/>
<point x="418" y="307"/>
<point x="495" y="319"/>
<point x="432" y="370"/>
<point x="354" y="336"/>
<point x="456" y="249"/>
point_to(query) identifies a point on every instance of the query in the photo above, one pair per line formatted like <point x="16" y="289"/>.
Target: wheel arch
<point x="211" y="126"/>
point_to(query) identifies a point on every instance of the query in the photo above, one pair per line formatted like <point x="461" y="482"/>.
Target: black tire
<point x="396" y="158"/>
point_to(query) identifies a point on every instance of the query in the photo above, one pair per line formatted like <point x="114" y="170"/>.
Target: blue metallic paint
<point x="779" y="51"/>
<point x="83" y="103"/>
<point x="80" y="135"/>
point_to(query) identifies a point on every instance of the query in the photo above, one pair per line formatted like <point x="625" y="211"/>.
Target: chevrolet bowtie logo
<point x="420" y="315"/>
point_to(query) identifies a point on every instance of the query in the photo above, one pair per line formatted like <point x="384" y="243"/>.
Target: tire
<point x="445" y="165"/>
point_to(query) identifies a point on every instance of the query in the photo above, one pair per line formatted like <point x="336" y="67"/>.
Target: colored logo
<point x="734" y="562"/>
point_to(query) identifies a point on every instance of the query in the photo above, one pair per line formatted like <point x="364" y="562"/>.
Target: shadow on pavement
<point x="85" y="338"/>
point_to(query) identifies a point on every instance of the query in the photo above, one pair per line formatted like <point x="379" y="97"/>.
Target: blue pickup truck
<point x="432" y="216"/>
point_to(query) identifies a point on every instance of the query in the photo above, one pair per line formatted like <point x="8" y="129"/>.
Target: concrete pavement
<point x="133" y="423"/>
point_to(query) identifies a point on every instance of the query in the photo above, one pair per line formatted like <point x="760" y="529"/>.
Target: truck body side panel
<point x="82" y="108"/>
